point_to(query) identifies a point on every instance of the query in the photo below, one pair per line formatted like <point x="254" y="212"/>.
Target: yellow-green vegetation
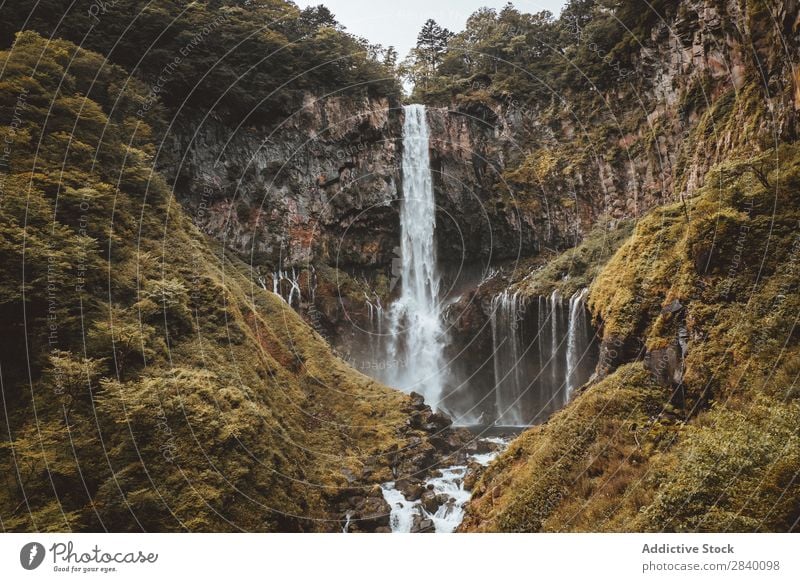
<point x="577" y="267"/>
<point x="245" y="60"/>
<point x="529" y="179"/>
<point x="589" y="452"/>
<point x="626" y="455"/>
<point x="147" y="383"/>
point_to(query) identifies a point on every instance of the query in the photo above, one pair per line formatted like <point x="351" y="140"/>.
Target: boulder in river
<point x="431" y="501"/>
<point x="422" y="524"/>
<point x="412" y="489"/>
<point x="370" y="514"/>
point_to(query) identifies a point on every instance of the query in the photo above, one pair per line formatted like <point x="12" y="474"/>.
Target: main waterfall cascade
<point x="543" y="349"/>
<point x="416" y="333"/>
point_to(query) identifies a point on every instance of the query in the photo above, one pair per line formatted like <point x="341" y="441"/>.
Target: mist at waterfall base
<point x="518" y="369"/>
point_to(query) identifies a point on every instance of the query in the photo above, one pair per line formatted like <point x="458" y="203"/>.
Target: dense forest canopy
<point x="243" y="59"/>
<point x="536" y="56"/>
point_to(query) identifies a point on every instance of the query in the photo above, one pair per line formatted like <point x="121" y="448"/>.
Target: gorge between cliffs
<point x="261" y="274"/>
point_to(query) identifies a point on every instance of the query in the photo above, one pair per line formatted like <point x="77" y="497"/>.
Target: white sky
<point x="397" y="22"/>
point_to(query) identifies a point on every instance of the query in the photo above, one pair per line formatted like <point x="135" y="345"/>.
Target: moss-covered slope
<point x="147" y="383"/>
<point x="715" y="449"/>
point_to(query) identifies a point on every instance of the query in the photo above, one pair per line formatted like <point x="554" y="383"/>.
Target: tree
<point x="316" y="17"/>
<point x="431" y="46"/>
<point x="390" y="58"/>
<point x="432" y="42"/>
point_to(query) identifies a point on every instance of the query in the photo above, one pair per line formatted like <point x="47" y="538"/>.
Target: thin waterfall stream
<point x="543" y="350"/>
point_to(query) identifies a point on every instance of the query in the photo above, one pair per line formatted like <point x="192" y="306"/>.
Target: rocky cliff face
<point x="525" y="175"/>
<point x="316" y="198"/>
<point x="321" y="186"/>
<point x="514" y="180"/>
<point x="701" y="138"/>
<point x="481" y="217"/>
<point x="716" y="81"/>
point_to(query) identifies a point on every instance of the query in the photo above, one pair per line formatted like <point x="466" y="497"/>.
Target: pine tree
<point x="427" y="56"/>
<point x="390" y="57"/>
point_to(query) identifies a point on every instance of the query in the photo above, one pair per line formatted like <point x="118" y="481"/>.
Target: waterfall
<point x="376" y="340"/>
<point x="374" y="312"/>
<point x="555" y="302"/>
<point x="539" y="357"/>
<point x="509" y="383"/>
<point x="576" y="333"/>
<point x="293" y="279"/>
<point x="416" y="330"/>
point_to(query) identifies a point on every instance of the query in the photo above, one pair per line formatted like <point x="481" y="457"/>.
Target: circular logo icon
<point x="31" y="555"/>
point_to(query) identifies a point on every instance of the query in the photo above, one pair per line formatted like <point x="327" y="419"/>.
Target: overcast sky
<point x="397" y="22"/>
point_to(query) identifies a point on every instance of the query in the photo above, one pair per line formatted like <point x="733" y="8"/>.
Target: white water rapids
<point x="450" y="483"/>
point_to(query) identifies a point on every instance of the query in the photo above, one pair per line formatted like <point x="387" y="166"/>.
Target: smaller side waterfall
<point x="509" y="382"/>
<point x="576" y="334"/>
<point x="375" y="312"/>
<point x="543" y="349"/>
<point x="281" y="280"/>
<point x="555" y="337"/>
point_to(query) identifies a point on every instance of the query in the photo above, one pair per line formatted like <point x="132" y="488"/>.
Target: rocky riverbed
<point x="437" y="503"/>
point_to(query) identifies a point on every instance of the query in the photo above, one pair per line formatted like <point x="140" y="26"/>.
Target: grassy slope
<point x="623" y="456"/>
<point x="169" y="392"/>
<point x="573" y="269"/>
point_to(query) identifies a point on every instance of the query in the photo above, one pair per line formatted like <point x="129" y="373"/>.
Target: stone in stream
<point x="412" y="489"/>
<point x="431" y="501"/>
<point x="370" y="513"/>
<point x="422" y="525"/>
<point x="474" y="471"/>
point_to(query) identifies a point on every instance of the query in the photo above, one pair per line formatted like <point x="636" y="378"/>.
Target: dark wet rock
<point x="666" y="364"/>
<point x="431" y="501"/>
<point x="616" y="350"/>
<point x="438" y="421"/>
<point x="450" y="440"/>
<point x="474" y="472"/>
<point x="417" y="401"/>
<point x="458" y="457"/>
<point x="370" y="513"/>
<point x="412" y="489"/>
<point x="418" y="418"/>
<point x="422" y="524"/>
<point x="673" y="307"/>
<point x="485" y="446"/>
<point x="460" y="438"/>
